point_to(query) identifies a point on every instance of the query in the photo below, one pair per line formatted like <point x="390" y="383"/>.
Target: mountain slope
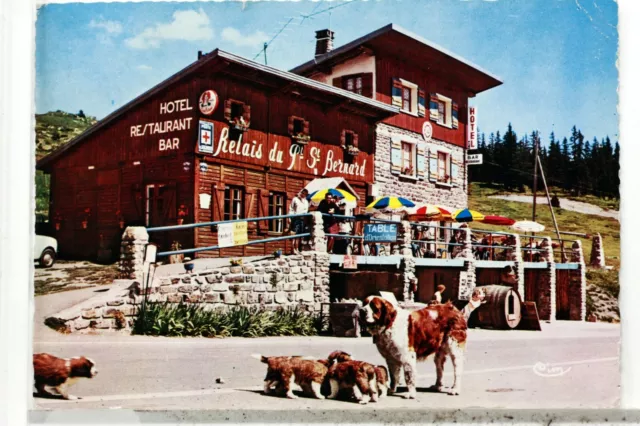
<point x="56" y="128"/>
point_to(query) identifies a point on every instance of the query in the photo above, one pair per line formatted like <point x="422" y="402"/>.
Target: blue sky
<point x="556" y="57"/>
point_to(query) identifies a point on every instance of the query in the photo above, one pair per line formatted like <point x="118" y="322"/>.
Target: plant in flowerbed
<point x="182" y="320"/>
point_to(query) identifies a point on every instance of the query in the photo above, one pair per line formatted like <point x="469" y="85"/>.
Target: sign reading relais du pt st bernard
<point x="280" y="152"/>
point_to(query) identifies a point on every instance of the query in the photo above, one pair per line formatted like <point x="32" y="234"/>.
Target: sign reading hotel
<point x="165" y="128"/>
<point x="279" y="152"/>
<point x="232" y="234"/>
<point x="380" y="232"/>
<point x="472" y="128"/>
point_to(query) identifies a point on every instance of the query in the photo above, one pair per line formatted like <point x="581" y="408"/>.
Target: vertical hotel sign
<point x="472" y="127"/>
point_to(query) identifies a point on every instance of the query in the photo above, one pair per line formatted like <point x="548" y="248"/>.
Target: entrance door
<point x="160" y="210"/>
<point x="562" y="294"/>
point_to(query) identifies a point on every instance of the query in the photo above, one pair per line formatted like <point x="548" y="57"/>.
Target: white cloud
<point x="111" y="27"/>
<point x="143" y="67"/>
<point x="189" y="25"/>
<point x="250" y="40"/>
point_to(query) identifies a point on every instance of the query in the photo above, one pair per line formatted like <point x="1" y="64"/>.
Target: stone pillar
<point x="321" y="260"/>
<point x="547" y="288"/>
<point x="317" y="239"/>
<point x="597" y="259"/>
<point x="132" y="251"/>
<point x="408" y="264"/>
<point x="578" y="284"/>
<point x="518" y="264"/>
<point x="467" y="280"/>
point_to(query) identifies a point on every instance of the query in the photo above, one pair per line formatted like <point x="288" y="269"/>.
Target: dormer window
<point x="299" y="130"/>
<point x="238" y="114"/>
<point x="360" y="84"/>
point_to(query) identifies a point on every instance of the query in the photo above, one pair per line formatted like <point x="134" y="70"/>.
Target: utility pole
<point x="265" y="52"/>
<point x="535" y="173"/>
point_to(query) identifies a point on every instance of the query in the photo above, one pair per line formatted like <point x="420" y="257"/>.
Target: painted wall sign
<point x="279" y="152"/>
<point x="474" y="159"/>
<point x="208" y="102"/>
<point x="472" y="128"/>
<point x="168" y="142"/>
<point x="380" y="232"/>
<point x="427" y="131"/>
<point x="205" y="137"/>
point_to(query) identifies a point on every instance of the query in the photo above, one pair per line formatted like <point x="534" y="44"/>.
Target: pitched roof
<point x="376" y="108"/>
<point x="486" y="79"/>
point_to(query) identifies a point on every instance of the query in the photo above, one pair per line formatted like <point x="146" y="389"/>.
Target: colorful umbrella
<point x="390" y="204"/>
<point x="466" y="215"/>
<point x="318" y="196"/>
<point x="527" y="226"/>
<point x="498" y="220"/>
<point x="430" y="212"/>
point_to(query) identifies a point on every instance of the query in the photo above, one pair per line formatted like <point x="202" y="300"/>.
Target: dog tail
<point x="261" y="358"/>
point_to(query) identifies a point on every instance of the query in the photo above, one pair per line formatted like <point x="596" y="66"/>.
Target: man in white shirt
<point x="299" y="205"/>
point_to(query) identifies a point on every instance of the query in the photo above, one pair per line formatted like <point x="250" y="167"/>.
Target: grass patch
<point x="569" y="221"/>
<point x="181" y="320"/>
<point x="606" y="280"/>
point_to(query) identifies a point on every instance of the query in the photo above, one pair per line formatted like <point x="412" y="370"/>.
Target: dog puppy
<point x="382" y="380"/>
<point x="346" y="373"/>
<point x="60" y="373"/>
<point x="284" y="371"/>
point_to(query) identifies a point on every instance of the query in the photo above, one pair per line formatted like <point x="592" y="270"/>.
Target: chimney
<point x="324" y="42"/>
<point x="199" y="54"/>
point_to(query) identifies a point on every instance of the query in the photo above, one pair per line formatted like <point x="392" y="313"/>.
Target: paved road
<point x="140" y="372"/>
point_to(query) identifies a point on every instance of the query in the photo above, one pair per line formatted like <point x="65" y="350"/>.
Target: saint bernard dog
<point x="405" y="337"/>
<point x="60" y="373"/>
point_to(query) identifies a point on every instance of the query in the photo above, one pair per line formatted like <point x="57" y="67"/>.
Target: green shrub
<point x="163" y="319"/>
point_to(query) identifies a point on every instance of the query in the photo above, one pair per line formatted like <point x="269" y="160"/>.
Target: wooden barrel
<point x="502" y="310"/>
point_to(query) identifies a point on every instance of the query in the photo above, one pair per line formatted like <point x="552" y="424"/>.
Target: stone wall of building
<point x="578" y="285"/>
<point x="421" y="191"/>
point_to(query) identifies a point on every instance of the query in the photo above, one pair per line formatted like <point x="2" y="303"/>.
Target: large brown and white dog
<point x="60" y="373"/>
<point x="405" y="337"/>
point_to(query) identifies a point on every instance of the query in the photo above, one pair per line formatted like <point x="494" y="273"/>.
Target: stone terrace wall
<point x="288" y="281"/>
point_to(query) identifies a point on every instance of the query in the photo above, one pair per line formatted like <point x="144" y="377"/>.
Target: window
<point x="276" y="208"/>
<point x="348" y="138"/>
<point x="233" y="203"/>
<point x="444" y="110"/>
<point x="237" y="108"/>
<point x="238" y="114"/>
<point x="443" y="167"/>
<point x="354" y="84"/>
<point x="408" y="159"/>
<point x="406" y="98"/>
<point x="298" y="126"/>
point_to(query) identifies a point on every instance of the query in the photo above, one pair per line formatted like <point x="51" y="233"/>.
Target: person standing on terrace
<point x="299" y="205"/>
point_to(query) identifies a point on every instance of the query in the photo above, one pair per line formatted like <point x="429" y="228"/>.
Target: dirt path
<point x="70" y="275"/>
<point x="566" y="204"/>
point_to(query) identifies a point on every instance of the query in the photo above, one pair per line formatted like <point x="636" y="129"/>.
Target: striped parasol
<point x="498" y="220"/>
<point x="318" y="196"/>
<point x="430" y="211"/>
<point x="390" y="204"/>
<point x="466" y="215"/>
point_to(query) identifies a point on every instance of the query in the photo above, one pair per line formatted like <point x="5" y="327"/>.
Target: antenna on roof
<point x="264" y="48"/>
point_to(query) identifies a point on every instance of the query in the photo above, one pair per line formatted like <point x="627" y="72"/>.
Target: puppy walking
<point x="60" y="373"/>
<point x="284" y="371"/>
<point x="346" y="373"/>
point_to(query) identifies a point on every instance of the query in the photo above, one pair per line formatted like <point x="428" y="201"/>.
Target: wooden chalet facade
<point x="224" y="138"/>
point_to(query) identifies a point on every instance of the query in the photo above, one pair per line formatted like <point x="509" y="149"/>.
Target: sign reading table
<point x="380" y="232"/>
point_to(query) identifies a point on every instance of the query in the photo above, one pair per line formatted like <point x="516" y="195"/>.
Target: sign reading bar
<point x="474" y="159"/>
<point x="232" y="234"/>
<point x="472" y="128"/>
<point x="380" y="232"/>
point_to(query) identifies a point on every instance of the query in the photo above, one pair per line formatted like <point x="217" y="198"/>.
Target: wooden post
<point x="535" y="175"/>
<point x="553" y="215"/>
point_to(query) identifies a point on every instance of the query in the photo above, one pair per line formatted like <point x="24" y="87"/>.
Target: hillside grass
<point x="608" y="228"/>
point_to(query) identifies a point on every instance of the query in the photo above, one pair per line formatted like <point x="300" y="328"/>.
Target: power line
<point x="304" y="17"/>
